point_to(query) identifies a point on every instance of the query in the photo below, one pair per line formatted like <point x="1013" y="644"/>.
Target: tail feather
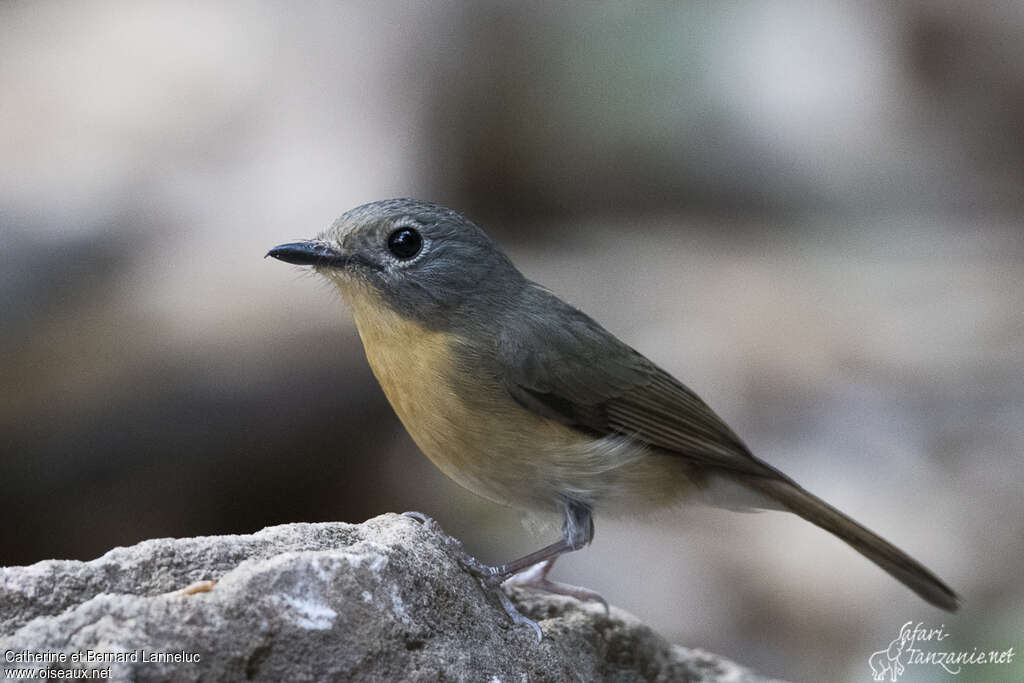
<point x="897" y="563"/>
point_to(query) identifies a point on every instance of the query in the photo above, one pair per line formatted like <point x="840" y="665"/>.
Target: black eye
<point x="405" y="243"/>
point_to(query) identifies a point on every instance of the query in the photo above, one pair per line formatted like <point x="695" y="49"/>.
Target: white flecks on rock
<point x="378" y="563"/>
<point x="310" y="614"/>
<point x="398" y="606"/>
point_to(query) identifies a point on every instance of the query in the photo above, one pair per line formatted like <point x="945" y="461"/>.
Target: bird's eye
<point x="405" y="243"/>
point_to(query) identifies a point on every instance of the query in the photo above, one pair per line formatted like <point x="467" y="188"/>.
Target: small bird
<point x="528" y="402"/>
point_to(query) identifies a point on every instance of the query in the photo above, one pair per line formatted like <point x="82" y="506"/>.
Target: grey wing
<point x="563" y="365"/>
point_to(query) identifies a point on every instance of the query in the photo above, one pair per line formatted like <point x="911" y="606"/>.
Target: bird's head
<point x="420" y="259"/>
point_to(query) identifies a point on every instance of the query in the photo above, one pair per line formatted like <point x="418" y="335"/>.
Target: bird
<point x="528" y="402"/>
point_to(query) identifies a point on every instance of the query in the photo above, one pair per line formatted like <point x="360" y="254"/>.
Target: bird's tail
<point x="897" y="563"/>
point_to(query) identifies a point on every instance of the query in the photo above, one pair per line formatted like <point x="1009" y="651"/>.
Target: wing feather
<point x="565" y="366"/>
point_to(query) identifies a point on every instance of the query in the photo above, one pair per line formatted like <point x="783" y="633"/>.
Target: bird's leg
<point x="577" y="531"/>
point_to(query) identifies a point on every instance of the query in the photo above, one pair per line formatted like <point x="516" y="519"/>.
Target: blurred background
<point x="810" y="212"/>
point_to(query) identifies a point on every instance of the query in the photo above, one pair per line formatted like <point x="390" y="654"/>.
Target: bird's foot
<point x="489" y="577"/>
<point x="426" y="521"/>
<point x="537" y="577"/>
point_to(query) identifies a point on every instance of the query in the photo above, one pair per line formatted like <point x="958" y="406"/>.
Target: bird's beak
<point x="311" y="253"/>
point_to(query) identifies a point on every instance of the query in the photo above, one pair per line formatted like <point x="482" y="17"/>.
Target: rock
<point x="378" y="601"/>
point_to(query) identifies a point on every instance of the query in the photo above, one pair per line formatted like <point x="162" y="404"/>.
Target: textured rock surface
<point x="381" y="600"/>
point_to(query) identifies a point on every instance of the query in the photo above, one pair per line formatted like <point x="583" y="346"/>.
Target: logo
<point x="918" y="645"/>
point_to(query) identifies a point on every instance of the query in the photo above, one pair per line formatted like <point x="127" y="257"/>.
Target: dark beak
<point x="307" y="254"/>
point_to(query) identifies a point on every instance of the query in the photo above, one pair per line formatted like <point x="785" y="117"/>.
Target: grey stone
<point x="378" y="601"/>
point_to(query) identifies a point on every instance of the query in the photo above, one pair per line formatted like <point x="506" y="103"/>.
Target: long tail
<point x="897" y="563"/>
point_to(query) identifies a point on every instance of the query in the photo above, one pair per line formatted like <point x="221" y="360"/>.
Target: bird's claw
<point x="453" y="544"/>
<point x="513" y="614"/>
<point x="425" y="520"/>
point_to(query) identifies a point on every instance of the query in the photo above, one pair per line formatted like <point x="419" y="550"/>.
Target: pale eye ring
<point x="405" y="243"/>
